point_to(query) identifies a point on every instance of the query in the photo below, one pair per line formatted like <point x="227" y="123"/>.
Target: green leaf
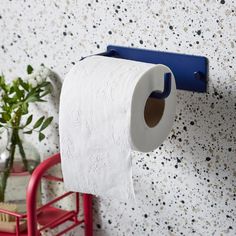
<point x="24" y="85"/>
<point x="48" y="89"/>
<point x="7" y="99"/>
<point x="28" y="132"/>
<point x="29" y="69"/>
<point x="6" y="116"/>
<point x="2" y="80"/>
<point x="46" y="123"/>
<point x="41" y="136"/>
<point x="19" y="93"/>
<point x="6" y="108"/>
<point x="3" y="84"/>
<point x="44" y="84"/>
<point x="24" y="108"/>
<point x="38" y="122"/>
<point x="2" y="121"/>
<point x="11" y="90"/>
<point x="29" y="120"/>
<point x="32" y="98"/>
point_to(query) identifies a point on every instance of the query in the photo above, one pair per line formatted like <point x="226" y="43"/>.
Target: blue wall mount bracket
<point x="191" y="72"/>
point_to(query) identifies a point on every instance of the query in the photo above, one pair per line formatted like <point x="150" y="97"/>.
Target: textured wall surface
<point x="188" y="185"/>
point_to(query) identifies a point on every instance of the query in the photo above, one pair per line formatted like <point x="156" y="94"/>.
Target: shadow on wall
<point x="54" y="98"/>
<point x="51" y="108"/>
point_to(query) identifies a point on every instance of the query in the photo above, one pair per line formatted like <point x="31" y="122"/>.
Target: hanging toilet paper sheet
<point x="105" y="113"/>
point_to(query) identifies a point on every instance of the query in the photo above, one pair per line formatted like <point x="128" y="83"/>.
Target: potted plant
<point x="16" y="120"/>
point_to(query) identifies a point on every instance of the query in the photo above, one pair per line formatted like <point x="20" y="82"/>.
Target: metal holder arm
<point x="167" y="88"/>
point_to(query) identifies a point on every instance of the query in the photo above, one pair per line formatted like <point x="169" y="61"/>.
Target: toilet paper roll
<point x="105" y="113"/>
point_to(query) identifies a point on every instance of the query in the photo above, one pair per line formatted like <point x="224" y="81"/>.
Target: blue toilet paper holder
<point x="191" y="72"/>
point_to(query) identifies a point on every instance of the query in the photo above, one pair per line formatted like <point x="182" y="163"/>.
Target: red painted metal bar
<point x="52" y="178"/>
<point x="17" y="226"/>
<point x="69" y="228"/>
<point x="12" y="213"/>
<point x="53" y="201"/>
<point x="54" y="223"/>
<point x="77" y="202"/>
<point x="32" y="192"/>
<point x="88" y="214"/>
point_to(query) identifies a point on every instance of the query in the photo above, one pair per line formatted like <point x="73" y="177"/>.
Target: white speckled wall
<point x="188" y="185"/>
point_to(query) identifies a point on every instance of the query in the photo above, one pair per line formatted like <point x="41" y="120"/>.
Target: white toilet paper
<point x="105" y="112"/>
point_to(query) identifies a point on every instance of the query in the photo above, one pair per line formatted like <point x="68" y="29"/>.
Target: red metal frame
<point x="47" y="215"/>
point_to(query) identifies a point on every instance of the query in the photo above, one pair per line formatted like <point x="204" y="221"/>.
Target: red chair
<point x="49" y="216"/>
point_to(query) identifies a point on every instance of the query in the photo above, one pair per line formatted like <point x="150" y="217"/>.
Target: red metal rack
<point x="48" y="216"/>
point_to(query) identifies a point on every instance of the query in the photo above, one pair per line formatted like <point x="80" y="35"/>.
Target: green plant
<point x="15" y="98"/>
